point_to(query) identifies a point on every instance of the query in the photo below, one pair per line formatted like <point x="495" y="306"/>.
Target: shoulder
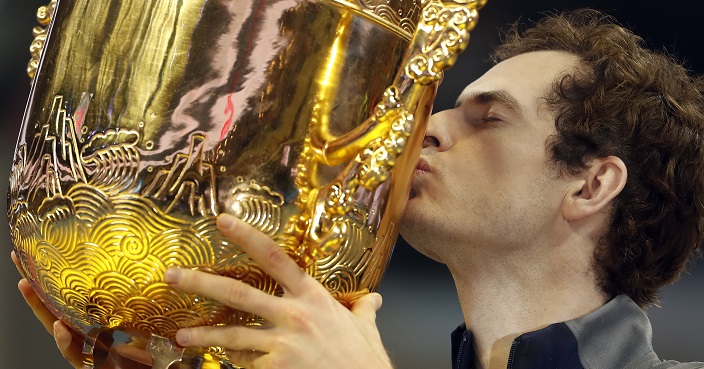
<point x="678" y="365"/>
<point x="651" y="361"/>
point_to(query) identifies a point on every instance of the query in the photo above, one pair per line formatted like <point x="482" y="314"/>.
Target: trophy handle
<point x="441" y="36"/>
<point x="44" y="17"/>
<point x="374" y="146"/>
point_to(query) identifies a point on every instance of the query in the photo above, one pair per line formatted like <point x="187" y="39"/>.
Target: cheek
<point x="516" y="162"/>
<point x="486" y="164"/>
<point x="499" y="175"/>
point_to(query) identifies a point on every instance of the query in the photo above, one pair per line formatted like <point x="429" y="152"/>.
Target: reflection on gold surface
<point x="149" y="118"/>
<point x="40" y="32"/>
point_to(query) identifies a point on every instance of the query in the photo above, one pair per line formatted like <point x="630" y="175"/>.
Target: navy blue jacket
<point x="616" y="336"/>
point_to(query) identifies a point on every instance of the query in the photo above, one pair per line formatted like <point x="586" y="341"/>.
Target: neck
<point x="524" y="290"/>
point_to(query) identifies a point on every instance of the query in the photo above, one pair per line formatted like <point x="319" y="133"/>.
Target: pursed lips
<point x="422" y="167"/>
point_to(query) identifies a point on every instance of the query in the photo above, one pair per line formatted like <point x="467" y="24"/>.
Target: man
<point x="562" y="192"/>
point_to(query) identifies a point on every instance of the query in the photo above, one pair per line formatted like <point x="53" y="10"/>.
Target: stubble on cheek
<point x="430" y="215"/>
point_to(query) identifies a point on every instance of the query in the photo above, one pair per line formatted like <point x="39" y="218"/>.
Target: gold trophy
<point x="148" y="118"/>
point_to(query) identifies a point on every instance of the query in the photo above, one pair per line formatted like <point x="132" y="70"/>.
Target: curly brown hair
<point x="643" y="107"/>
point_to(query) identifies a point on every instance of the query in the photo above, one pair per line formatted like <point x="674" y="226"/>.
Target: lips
<point x="422" y="166"/>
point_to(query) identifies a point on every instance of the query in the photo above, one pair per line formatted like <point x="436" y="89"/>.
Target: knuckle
<point x="299" y="319"/>
<point x="280" y="342"/>
<point x="236" y="293"/>
<point x="276" y="256"/>
<point x="233" y="339"/>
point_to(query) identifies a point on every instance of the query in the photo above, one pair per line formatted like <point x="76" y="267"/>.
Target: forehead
<point x="525" y="77"/>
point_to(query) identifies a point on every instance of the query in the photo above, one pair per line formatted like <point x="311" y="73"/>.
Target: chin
<point x="423" y="247"/>
<point x="418" y="233"/>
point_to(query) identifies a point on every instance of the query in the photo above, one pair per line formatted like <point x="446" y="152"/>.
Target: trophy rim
<point x="385" y="15"/>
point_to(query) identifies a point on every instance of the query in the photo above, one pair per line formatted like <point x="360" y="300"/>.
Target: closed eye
<point x="488" y="120"/>
<point x="491" y="119"/>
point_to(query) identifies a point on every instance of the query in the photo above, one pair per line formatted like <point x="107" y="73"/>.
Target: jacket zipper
<point x="511" y="354"/>
<point x="459" y="352"/>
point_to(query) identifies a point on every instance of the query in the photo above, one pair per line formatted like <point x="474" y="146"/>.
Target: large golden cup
<point x="147" y="118"/>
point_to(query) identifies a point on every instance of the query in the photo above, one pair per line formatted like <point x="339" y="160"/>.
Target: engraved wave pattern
<point x="96" y="254"/>
<point x="258" y="206"/>
<point x="262" y="214"/>
<point x="237" y="264"/>
<point x="389" y="14"/>
<point x="112" y="159"/>
<point x="100" y="260"/>
<point x="341" y="271"/>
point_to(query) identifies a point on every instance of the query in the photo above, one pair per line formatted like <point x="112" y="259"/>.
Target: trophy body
<point x="149" y="118"/>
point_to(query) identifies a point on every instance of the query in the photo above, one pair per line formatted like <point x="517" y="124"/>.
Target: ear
<point x="595" y="188"/>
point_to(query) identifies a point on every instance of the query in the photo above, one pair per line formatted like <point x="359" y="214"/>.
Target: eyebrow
<point x="495" y="96"/>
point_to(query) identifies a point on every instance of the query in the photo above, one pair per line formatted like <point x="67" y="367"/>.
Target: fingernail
<point x="172" y="275"/>
<point x="226" y="221"/>
<point x="58" y="339"/>
<point x="182" y="337"/>
<point x="379" y="301"/>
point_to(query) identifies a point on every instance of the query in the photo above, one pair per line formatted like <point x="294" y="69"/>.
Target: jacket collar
<point x="614" y="336"/>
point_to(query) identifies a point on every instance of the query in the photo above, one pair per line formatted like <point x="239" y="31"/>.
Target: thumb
<point x="366" y="306"/>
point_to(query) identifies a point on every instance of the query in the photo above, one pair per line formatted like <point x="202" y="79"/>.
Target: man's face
<point x="484" y="178"/>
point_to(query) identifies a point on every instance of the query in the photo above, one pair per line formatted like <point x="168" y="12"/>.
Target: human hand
<point x="70" y="346"/>
<point x="306" y="327"/>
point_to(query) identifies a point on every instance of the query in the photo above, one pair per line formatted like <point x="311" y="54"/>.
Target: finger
<point x="234" y="338"/>
<point x="68" y="345"/>
<point x="44" y="315"/>
<point x="231" y="292"/>
<point x="367" y="306"/>
<point x="268" y="255"/>
<point x="244" y="359"/>
<point x="16" y="260"/>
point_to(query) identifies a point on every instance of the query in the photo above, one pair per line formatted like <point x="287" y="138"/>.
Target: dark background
<point x="420" y="306"/>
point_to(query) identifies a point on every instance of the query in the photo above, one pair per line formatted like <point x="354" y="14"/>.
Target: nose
<point x="437" y="135"/>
